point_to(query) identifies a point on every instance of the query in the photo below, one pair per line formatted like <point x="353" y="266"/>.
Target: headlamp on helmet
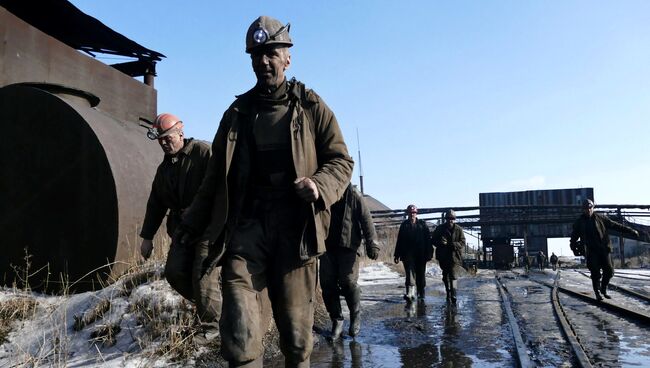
<point x="164" y="125"/>
<point x="267" y="31"/>
<point x="411" y="209"/>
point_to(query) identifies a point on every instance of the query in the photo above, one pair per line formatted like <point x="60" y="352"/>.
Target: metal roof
<point x="63" y="21"/>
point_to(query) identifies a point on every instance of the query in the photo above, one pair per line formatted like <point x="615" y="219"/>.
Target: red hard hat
<point x="166" y="124"/>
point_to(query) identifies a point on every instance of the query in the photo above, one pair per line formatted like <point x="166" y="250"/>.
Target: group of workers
<point x="415" y="247"/>
<point x="250" y="216"/>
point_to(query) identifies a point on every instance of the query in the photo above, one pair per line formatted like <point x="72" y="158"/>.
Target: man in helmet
<point x="176" y="183"/>
<point x="414" y="249"/>
<point x="449" y="241"/>
<point x="591" y="229"/>
<point x="279" y="162"/>
<point x="339" y="266"/>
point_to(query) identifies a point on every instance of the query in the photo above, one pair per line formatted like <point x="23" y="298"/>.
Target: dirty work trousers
<point x="184" y="272"/>
<point x="600" y="260"/>
<point x="339" y="273"/>
<point x="262" y="264"/>
<point x="415" y="269"/>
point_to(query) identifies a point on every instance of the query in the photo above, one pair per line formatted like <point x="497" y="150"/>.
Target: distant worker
<point x="176" y="183"/>
<point x="594" y="244"/>
<point x="449" y="241"/>
<point x="414" y="249"/>
<point x="525" y="262"/>
<point x="541" y="260"/>
<point x="554" y="261"/>
<point x="339" y="266"/>
<point x="280" y="162"/>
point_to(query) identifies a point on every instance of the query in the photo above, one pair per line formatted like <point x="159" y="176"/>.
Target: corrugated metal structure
<point x="533" y="216"/>
<point x="553" y="210"/>
<point x="77" y="168"/>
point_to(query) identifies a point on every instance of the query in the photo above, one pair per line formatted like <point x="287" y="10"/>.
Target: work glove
<point x="372" y="252"/>
<point x="146" y="248"/>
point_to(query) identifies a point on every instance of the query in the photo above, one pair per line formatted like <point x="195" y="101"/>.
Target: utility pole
<point x="360" y="166"/>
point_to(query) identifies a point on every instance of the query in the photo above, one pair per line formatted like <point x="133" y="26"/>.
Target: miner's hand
<point x="306" y="189"/>
<point x="372" y="252"/>
<point x="146" y="248"/>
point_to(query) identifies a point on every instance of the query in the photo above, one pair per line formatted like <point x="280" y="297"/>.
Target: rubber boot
<point x="603" y="290"/>
<point x="447" y="292"/>
<point x="407" y="295"/>
<point x="421" y="294"/>
<point x="452" y="290"/>
<point x="354" y="305"/>
<point x="596" y="285"/>
<point x="337" y="329"/>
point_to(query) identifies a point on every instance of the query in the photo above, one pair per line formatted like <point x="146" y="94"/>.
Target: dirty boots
<point x="452" y="291"/>
<point x="596" y="285"/>
<point x="410" y="294"/>
<point x="447" y="292"/>
<point x="354" y="305"/>
<point x="337" y="329"/>
<point x="603" y="290"/>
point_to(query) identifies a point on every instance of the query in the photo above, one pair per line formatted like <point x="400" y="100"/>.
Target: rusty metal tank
<point x="73" y="190"/>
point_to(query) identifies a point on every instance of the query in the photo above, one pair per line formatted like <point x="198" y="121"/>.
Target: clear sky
<point x="450" y="99"/>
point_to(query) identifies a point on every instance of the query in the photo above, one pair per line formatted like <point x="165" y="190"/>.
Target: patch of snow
<point x="378" y="273"/>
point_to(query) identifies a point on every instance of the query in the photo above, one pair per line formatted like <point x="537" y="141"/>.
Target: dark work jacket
<point x="175" y="186"/>
<point x="449" y="255"/>
<point x="603" y="244"/>
<point x="319" y="152"/>
<point x="350" y="216"/>
<point x="419" y="246"/>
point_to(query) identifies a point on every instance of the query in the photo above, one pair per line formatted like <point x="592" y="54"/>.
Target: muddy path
<point x="472" y="333"/>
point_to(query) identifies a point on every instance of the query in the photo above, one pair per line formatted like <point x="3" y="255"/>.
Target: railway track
<point x="593" y="333"/>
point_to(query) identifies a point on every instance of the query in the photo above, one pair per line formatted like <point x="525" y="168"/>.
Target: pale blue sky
<point x="450" y="98"/>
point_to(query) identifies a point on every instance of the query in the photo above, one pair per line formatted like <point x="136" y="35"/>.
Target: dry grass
<point x="16" y="309"/>
<point x="173" y="326"/>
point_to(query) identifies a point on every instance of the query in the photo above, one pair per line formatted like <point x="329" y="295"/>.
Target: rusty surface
<point x="29" y="55"/>
<point x="74" y="189"/>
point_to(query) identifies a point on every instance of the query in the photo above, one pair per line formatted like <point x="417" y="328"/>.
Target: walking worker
<point x="449" y="241"/>
<point x="554" y="260"/>
<point x="526" y="262"/>
<point x="279" y="163"/>
<point x="339" y="266"/>
<point x="414" y="249"/>
<point x="176" y="183"/>
<point x="594" y="244"/>
<point x="541" y="260"/>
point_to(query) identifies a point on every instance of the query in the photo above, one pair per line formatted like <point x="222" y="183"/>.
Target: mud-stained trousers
<point x="184" y="272"/>
<point x="339" y="273"/>
<point x="415" y="270"/>
<point x="261" y="264"/>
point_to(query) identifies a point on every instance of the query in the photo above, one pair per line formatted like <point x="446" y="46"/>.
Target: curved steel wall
<point x="73" y="191"/>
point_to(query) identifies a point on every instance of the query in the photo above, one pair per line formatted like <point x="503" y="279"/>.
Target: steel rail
<point x="522" y="355"/>
<point x="567" y="328"/>
<point x="642" y="317"/>
<point x="625" y="290"/>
